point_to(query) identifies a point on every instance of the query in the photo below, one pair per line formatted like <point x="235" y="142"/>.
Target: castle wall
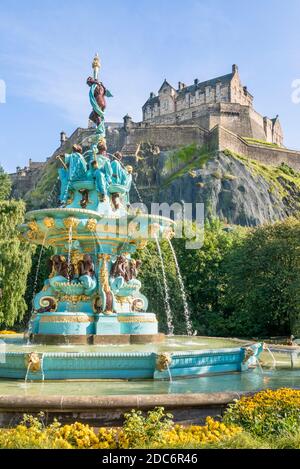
<point x="166" y="137"/>
<point x="222" y="139"/>
<point x="257" y="127"/>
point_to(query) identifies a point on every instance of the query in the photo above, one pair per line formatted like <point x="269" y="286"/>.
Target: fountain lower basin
<point x="191" y="357"/>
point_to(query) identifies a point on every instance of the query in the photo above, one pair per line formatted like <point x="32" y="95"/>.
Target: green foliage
<point x="205" y="278"/>
<point x="184" y="161"/>
<point x="45" y="193"/>
<point x="154" y="430"/>
<point x="140" y="431"/>
<point x="36" y="277"/>
<point x="282" y="180"/>
<point x="152" y="281"/>
<point x="242" y="282"/>
<point x="243" y="440"/>
<point x="15" y="262"/>
<point x="288" y="170"/>
<point x="5" y="184"/>
<point x="254" y="141"/>
<point x="263" y="275"/>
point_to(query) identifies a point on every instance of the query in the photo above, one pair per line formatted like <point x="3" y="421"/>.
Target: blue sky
<point x="46" y="50"/>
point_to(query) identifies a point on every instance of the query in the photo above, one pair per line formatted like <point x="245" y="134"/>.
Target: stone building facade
<point x="222" y="100"/>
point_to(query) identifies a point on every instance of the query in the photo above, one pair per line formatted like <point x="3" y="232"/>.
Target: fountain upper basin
<point x="52" y="227"/>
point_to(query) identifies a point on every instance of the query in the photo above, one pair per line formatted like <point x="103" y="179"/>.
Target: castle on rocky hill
<point x="217" y="113"/>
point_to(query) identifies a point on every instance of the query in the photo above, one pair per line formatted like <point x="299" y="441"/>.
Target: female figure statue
<point x="74" y="169"/>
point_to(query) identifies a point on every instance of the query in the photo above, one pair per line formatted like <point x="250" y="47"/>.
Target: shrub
<point x="268" y="413"/>
<point x="139" y="431"/>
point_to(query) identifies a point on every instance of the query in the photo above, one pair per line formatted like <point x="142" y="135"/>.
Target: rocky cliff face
<point x="236" y="189"/>
<point x="232" y="187"/>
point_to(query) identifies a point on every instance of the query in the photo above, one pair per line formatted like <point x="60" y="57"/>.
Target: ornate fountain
<point x="93" y="297"/>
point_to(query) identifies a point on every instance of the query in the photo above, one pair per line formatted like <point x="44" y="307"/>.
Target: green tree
<point x="5" y="184"/>
<point x="153" y="285"/>
<point x="264" y="281"/>
<point x="205" y="277"/>
<point x="40" y="271"/>
<point x="15" y="262"/>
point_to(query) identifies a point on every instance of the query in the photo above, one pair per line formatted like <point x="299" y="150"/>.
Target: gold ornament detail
<point x="136" y="319"/>
<point x="74" y="299"/>
<point x="34" y="234"/>
<point x="71" y="222"/>
<point x="33" y="226"/>
<point x="76" y="318"/>
<point x="33" y="362"/>
<point x="76" y="257"/>
<point x="249" y="352"/>
<point x="163" y="361"/>
<point x="96" y="64"/>
<point x="49" y="222"/>
<point x="104" y="272"/>
<point x="124" y="299"/>
<point x="91" y="224"/>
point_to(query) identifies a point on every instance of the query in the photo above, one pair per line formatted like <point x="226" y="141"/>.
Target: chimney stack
<point x="63" y="137"/>
<point x="235" y="68"/>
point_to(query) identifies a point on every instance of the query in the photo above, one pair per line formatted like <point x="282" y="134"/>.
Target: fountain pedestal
<point x="82" y="328"/>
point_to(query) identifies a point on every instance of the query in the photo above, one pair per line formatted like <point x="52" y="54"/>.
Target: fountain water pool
<point x="249" y="381"/>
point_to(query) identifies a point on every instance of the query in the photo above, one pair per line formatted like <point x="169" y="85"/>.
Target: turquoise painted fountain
<point x="93" y="298"/>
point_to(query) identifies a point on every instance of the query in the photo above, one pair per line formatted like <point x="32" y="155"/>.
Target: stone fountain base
<point x="86" y="328"/>
<point x="124" y="339"/>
